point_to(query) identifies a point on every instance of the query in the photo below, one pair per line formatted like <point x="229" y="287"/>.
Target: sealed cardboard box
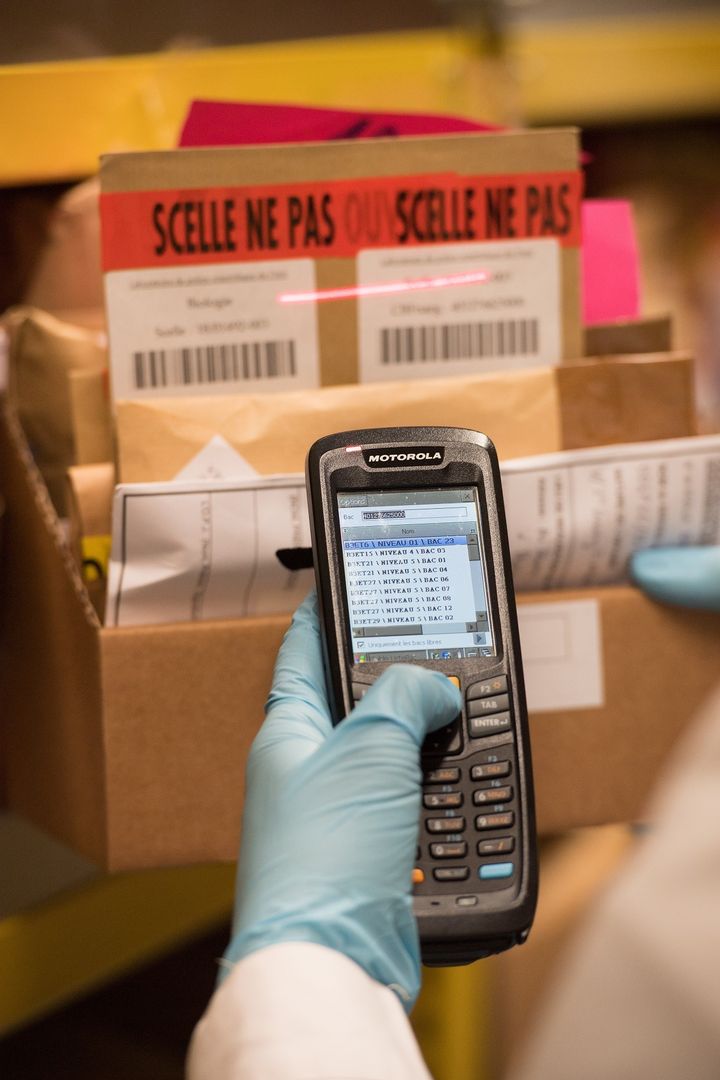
<point x="130" y="744"/>
<point x="289" y="266"/>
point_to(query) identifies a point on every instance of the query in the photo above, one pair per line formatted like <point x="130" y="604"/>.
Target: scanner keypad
<point x="479" y="849"/>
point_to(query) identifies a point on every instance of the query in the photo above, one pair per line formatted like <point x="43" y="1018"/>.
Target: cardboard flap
<point x="626" y="399"/>
<point x="180" y="716"/>
<point x="52" y="700"/>
<point x="649" y="335"/>
<point x="499" y="152"/>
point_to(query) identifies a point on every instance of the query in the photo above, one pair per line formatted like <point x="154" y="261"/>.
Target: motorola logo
<point x="382" y="457"/>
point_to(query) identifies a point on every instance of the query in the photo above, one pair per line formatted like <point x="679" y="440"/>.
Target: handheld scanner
<point x="412" y="566"/>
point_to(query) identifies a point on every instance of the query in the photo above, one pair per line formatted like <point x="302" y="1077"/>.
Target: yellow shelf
<point x="618" y="69"/>
<point x="56" y="119"/>
<point x="61" y="117"/>
<point x="85" y="937"/>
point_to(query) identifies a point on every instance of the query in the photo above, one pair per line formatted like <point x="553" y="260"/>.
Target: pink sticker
<point x="610" y="270"/>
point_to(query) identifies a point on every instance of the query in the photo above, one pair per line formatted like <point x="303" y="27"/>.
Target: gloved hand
<point x="689" y="576"/>
<point x="331" y="814"/>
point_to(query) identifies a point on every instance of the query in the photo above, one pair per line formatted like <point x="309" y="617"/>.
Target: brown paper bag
<point x="584" y="403"/>
<point x="273" y="432"/>
<point x="91" y="416"/>
<point x="90" y="495"/>
<point x="43" y="353"/>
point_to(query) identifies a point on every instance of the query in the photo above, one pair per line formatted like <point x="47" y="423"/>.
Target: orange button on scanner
<point x="418" y="876"/>
<point x="454" y="680"/>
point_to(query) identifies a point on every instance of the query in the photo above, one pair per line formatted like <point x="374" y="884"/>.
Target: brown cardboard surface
<point x="535" y="411"/>
<point x="130" y="744"/>
<point x="91" y="417"/>
<point x="52" y="699"/>
<point x="649" y="335"/>
<point x="89" y="502"/>
<point x="597" y="766"/>
<point x="626" y="399"/>
<point x="496" y="154"/>
<point x="181" y="707"/>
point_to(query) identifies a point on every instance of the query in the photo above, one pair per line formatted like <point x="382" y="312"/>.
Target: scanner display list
<point x="415" y="582"/>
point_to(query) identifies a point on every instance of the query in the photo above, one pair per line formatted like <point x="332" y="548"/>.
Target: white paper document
<point x="575" y="517"/>
<point x="207" y="550"/>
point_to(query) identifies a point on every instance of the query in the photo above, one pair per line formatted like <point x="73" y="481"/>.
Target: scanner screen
<point x="415" y="574"/>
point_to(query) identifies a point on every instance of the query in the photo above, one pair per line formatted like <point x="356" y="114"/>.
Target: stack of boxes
<point x="130" y="743"/>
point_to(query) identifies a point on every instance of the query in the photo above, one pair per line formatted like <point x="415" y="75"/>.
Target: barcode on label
<point x="459" y="341"/>
<point x="207" y="364"/>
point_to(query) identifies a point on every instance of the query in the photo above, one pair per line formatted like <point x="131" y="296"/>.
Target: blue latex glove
<point x="331" y="814"/>
<point x="689" y="576"/>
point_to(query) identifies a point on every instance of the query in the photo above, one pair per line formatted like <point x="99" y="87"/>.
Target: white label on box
<point x="562" y="655"/>
<point x="576" y="517"/>
<point x="207" y="550"/>
<point x="211" y="330"/>
<point x="425" y="322"/>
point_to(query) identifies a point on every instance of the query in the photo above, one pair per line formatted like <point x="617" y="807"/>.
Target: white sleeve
<point x="640" y="995"/>
<point x="296" y="1011"/>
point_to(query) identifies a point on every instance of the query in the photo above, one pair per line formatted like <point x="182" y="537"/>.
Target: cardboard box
<point x="648" y="335"/>
<point x="172" y="212"/>
<point x="130" y="744"/>
<point x="583" y="403"/>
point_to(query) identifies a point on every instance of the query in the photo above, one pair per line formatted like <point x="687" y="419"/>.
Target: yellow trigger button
<point x="454" y="680"/>
<point x="418" y="876"/>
